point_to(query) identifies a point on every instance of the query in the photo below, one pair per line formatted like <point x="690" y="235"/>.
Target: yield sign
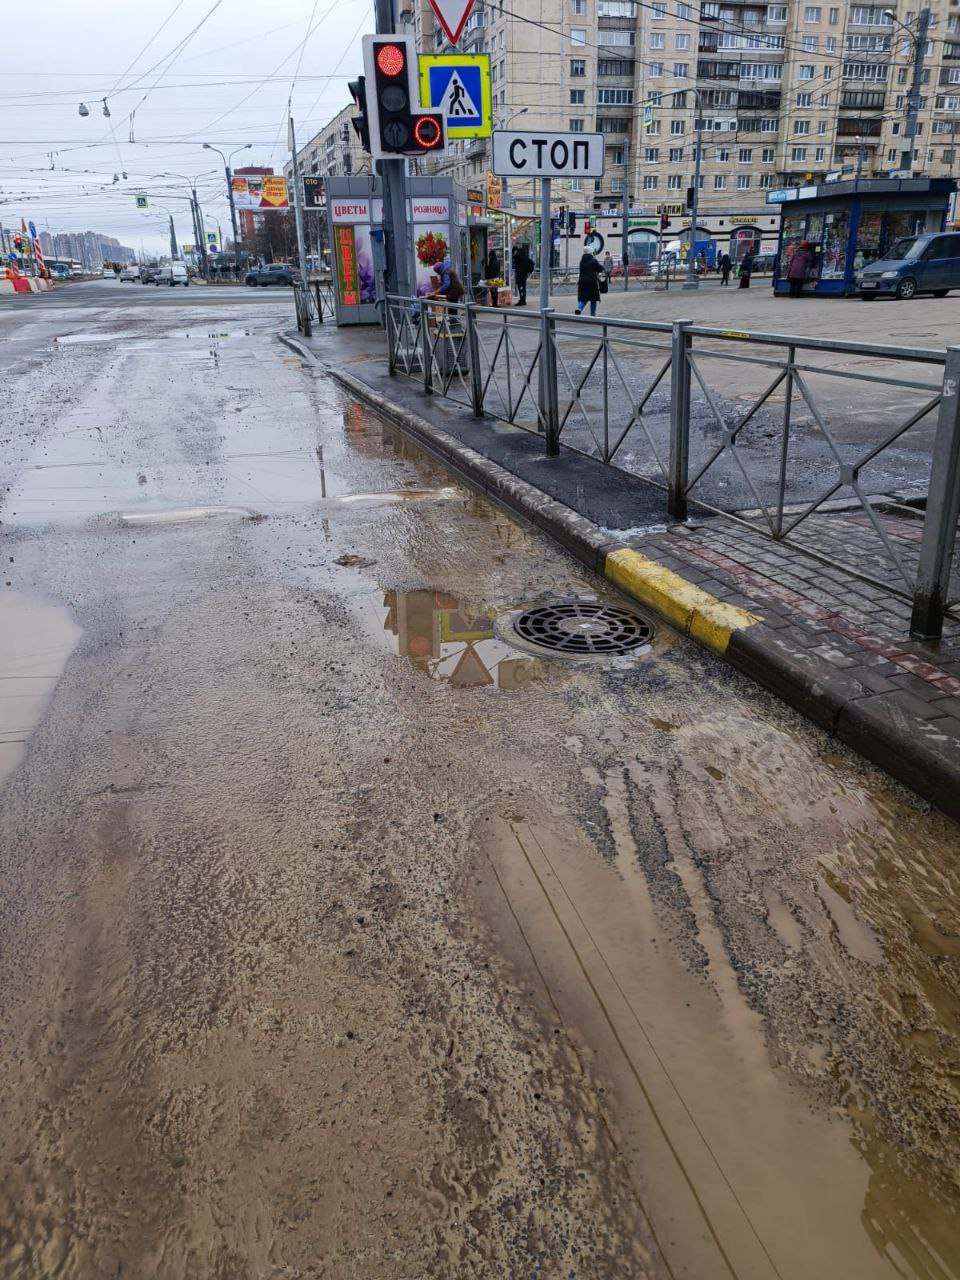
<point x="452" y="15"/>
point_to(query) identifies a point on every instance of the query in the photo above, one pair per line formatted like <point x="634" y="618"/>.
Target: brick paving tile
<point x="913" y="706"/>
<point x="947" y="707"/>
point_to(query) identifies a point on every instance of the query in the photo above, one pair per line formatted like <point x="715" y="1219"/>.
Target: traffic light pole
<point x="396" y="246"/>
<point x="625" y="241"/>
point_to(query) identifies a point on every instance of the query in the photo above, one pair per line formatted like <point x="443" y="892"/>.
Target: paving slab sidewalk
<point x="836" y="648"/>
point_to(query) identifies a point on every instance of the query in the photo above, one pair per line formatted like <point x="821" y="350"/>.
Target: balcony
<point x="862" y="100"/>
<point x="709" y="70"/>
<point x="476" y="149"/>
<point x="859" y="128"/>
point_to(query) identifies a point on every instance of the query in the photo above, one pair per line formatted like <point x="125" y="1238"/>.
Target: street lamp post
<point x="692" y="281"/>
<point x="197" y="217"/>
<point x="233" y="209"/>
<point x="918" y="39"/>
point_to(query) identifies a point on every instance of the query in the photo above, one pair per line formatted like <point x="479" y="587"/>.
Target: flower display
<point x="431" y="248"/>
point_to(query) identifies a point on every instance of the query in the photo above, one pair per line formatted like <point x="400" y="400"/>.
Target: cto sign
<point x="547" y="155"/>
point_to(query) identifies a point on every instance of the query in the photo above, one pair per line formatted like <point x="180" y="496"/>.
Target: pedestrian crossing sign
<point x="458" y="84"/>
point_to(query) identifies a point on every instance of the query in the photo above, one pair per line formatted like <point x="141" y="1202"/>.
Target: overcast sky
<point x="217" y="71"/>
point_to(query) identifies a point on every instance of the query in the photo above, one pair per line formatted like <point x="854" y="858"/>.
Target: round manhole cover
<point x="579" y="627"/>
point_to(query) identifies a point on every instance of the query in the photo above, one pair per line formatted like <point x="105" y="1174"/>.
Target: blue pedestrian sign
<point x="648" y="114"/>
<point x="458" y="84"/>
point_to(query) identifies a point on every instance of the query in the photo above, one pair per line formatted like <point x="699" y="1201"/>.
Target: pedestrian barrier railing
<point x="312" y="301"/>
<point x="706" y="412"/>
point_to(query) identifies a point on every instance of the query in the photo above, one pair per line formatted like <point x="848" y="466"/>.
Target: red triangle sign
<point x="452" y="15"/>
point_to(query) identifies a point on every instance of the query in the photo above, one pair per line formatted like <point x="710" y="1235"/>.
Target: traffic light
<point x="18" y="242"/>
<point x="358" y="91"/>
<point x="586" y="226"/>
<point x="571" y="223"/>
<point x="664" y="221"/>
<point x="397" y="126"/>
<point x="689" y="197"/>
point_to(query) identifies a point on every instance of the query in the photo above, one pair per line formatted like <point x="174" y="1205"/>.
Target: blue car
<point x="917" y="264"/>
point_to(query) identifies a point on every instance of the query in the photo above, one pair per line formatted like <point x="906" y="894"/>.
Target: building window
<point x="892" y="153"/>
<point x="834" y="17"/>
<point x="576" y="184"/>
<point x="649" y="182"/>
<point x="578" y="66"/>
<point x="683" y="12"/>
<point x="809" y="44"/>
<point x="700" y="183"/>
<point x="655" y="70"/>
<point x="830" y="44"/>
<point x="948" y="157"/>
<point x="776" y="13"/>
<point x="801" y="126"/>
<point x="681" y="70"/>
<point x="657" y="40"/>
<point x="676" y="155"/>
<point x="578" y="37"/>
<point x="674" y="182"/>
<point x="719" y="182"/>
<point x="614" y="97"/>
<point x="651" y="153"/>
<point x="616" y="186"/>
<point x="676" y="126"/>
<point x="743" y="182"/>
<point x="768" y="155"/>
<point x="824" y="99"/>
<point x="812" y="13"/>
<point x="821" y="127"/>
<point x="578" y="8"/>
<point x="615" y="67"/>
<point x="659" y="10"/>
<point x="723" y="154"/>
<point x="769" y="124"/>
<point x="576" y="125"/>
<point x="683" y="41"/>
<point x="616" y="155"/>
<point x="608" y="38"/>
<point x="766" y="181"/>
<point x="804" y="99"/>
<point x="798" y="153"/>
<point x="828" y="73"/>
<point x="869" y="15"/>
<point x="577" y="97"/>
<point x="745" y="155"/>
<point x="806" y="71"/>
<point x="616" y="9"/>
<point x="821" y="154"/>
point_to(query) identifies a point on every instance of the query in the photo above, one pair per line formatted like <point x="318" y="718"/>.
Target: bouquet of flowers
<point x="495" y="283"/>
<point x="431" y="249"/>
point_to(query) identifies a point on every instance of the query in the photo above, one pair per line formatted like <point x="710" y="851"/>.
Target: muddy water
<point x="343" y="937"/>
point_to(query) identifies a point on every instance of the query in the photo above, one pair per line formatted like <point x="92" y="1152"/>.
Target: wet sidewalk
<point x="832" y="645"/>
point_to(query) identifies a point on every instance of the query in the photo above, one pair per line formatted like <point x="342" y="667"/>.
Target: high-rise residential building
<point x="789" y="92"/>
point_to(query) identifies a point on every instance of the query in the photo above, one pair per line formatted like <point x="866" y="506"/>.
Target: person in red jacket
<point x="798" y="267"/>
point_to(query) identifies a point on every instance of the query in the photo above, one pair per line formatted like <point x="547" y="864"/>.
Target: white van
<point x="173" y="273"/>
<point x="130" y="272"/>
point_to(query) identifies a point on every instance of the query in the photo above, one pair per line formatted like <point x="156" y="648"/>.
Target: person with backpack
<point x="588" y="284"/>
<point x="522" y="267"/>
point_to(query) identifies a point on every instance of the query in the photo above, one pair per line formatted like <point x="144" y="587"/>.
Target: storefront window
<point x="836" y="233"/>
<point x="905" y="222"/>
<point x="794" y="231"/>
<point x="744" y="240"/>
<point x="869" y="236"/>
<point x="644" y="246"/>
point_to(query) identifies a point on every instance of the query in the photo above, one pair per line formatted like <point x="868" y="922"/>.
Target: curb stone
<point x="927" y="761"/>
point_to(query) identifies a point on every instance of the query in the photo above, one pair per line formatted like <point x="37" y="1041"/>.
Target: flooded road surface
<point x="345" y="933"/>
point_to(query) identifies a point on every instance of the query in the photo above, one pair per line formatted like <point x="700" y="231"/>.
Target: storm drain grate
<point x="582" y="628"/>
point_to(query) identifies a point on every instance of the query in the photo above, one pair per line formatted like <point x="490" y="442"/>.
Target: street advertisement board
<point x="263" y="192"/>
<point x="353" y="252"/>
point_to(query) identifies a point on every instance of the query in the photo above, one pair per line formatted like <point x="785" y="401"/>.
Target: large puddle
<point x="36" y="639"/>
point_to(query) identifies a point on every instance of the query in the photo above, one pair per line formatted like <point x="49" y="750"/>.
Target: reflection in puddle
<point x="35" y="641"/>
<point x="391" y="497"/>
<point x="188" y="515"/>
<point x="453" y="640"/>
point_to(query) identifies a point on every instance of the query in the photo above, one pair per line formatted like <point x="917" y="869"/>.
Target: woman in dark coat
<point x="746" y="269"/>
<point x="798" y="267"/>
<point x="588" y="284"/>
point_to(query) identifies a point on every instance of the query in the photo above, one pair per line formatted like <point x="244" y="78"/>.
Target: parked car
<point x="130" y="273"/>
<point x="917" y="264"/>
<point x="273" y="273"/>
<point x="173" y="273"/>
<point x="764" y="262"/>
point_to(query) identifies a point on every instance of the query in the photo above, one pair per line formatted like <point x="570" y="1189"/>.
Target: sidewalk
<point x="836" y="648"/>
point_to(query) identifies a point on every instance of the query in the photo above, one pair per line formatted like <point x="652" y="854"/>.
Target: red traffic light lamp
<point x="428" y="132"/>
<point x="391" y="59"/>
<point x="397" y="123"/>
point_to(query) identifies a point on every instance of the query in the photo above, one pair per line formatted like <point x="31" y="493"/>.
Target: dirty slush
<point x="341" y="937"/>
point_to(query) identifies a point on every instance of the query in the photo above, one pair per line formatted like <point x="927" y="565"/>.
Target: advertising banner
<point x="353" y="260"/>
<point x="265" y="192"/>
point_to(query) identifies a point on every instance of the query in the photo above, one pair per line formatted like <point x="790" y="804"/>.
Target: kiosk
<point x="848" y="224"/>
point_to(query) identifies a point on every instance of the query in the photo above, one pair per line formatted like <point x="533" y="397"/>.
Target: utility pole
<point x="913" y="98"/>
<point x="201" y="238"/>
<point x="397" y="240"/>
<point x="691" y="281"/>
<point x="297" y="196"/>
<point x="173" y="241"/>
<point x="625" y="237"/>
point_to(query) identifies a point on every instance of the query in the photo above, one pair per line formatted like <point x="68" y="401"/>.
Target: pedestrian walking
<point x="746" y="269"/>
<point x="588" y="284"/>
<point x="493" y="265"/>
<point x="702" y="262"/>
<point x="522" y="266"/>
<point x="725" y="268"/>
<point x="608" y="264"/>
<point x="797" y="268"/>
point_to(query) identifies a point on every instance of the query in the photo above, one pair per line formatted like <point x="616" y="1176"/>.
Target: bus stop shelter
<point x="850" y="224"/>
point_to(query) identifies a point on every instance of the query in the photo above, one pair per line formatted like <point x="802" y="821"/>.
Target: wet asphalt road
<point x="342" y="936"/>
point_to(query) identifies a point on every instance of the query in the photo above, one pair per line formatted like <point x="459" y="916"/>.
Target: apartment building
<point x="334" y="151"/>
<point x="789" y="92"/>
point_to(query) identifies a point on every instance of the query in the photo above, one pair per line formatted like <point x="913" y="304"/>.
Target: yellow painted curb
<point x="695" y="612"/>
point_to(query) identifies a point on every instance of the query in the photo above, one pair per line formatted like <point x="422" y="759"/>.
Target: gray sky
<point x="217" y="71"/>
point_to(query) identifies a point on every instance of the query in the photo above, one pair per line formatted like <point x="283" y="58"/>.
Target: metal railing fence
<point x="312" y="301"/>
<point x="650" y="397"/>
